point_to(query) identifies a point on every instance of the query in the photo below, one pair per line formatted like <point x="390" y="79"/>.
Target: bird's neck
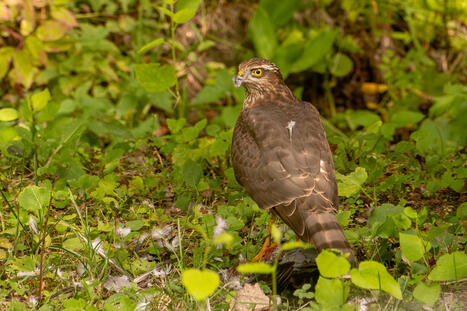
<point x="280" y="93"/>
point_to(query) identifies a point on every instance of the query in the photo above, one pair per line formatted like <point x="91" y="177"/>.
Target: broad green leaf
<point x="427" y="294"/>
<point x="34" y="198"/>
<point x="23" y="68"/>
<point x="348" y="185"/>
<point x="40" y="100"/>
<point x="154" y="78"/>
<point x="200" y="283"/>
<point x="450" y="267"/>
<point x="8" y="114"/>
<point x="263" y="34"/>
<point x="50" y="31"/>
<point x="16" y="306"/>
<point x="5" y="57"/>
<point x="330" y="265"/>
<point x="315" y="50"/>
<point x="8" y="134"/>
<point x="430" y="137"/>
<point x="412" y="246"/>
<point x="175" y="125"/>
<point x="280" y="11"/>
<point x="184" y="15"/>
<point x="341" y="65"/>
<point x="72" y="244"/>
<point x="330" y="293"/>
<point x="188" y="4"/>
<point x="151" y="45"/>
<point x="255" y="267"/>
<point x="373" y="275"/>
<point x="404" y="117"/>
<point x="192" y="173"/>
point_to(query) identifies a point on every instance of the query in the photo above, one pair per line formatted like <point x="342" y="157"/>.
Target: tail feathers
<point x="320" y="228"/>
<point x="325" y="232"/>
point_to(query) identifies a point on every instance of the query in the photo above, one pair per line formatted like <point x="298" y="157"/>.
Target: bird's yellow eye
<point x="258" y="72"/>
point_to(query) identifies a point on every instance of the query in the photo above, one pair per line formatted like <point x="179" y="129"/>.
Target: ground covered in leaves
<point x="117" y="191"/>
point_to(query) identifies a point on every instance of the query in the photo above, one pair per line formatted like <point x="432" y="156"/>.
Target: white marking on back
<point x="290" y="127"/>
<point x="322" y="168"/>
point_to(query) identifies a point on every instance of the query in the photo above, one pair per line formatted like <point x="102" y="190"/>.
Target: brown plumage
<point x="281" y="156"/>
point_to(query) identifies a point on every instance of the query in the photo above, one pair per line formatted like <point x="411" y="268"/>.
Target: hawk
<point x="281" y="156"/>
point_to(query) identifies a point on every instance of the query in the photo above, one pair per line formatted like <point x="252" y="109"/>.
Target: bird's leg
<point x="268" y="247"/>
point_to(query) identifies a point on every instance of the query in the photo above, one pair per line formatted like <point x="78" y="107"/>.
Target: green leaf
<point x="412" y="246"/>
<point x="332" y="266"/>
<point x="276" y="234"/>
<point x="40" y="100"/>
<point x="280" y="11"/>
<point x="23" y="68"/>
<point x="348" y="185"/>
<point x="192" y="173"/>
<point x="175" y="125"/>
<point x="72" y="244"/>
<point x="341" y="65"/>
<point x="154" y="78"/>
<point x="373" y="275"/>
<point x="404" y="117"/>
<point x="184" y="15"/>
<point x="200" y="283"/>
<point x="50" y="30"/>
<point x="263" y="34"/>
<point x="151" y="45"/>
<point x="294" y="244"/>
<point x="427" y="294"/>
<point x="8" y="114"/>
<point x="5" y="57"/>
<point x="225" y="239"/>
<point x="330" y="293"/>
<point x="255" y="267"/>
<point x="8" y="134"/>
<point x="450" y="267"/>
<point x="315" y="50"/>
<point x="34" y="198"/>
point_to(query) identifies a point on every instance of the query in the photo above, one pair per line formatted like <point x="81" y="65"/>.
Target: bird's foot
<point x="265" y="251"/>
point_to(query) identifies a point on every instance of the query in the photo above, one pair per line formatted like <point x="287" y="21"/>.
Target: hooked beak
<point x="238" y="79"/>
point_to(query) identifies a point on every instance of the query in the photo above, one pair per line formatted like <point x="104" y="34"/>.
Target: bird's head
<point x="258" y="75"/>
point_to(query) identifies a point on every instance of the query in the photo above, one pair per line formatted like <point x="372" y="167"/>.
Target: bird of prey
<point x="281" y="156"/>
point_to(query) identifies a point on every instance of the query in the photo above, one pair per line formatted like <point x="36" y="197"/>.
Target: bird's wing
<point x="280" y="153"/>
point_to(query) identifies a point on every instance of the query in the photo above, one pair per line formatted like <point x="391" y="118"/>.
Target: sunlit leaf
<point x="427" y="294"/>
<point x="332" y="266"/>
<point x="184" y="15"/>
<point x="255" y="267"/>
<point x="8" y="114"/>
<point x="373" y="275"/>
<point x="412" y="246"/>
<point x="200" y="283"/>
<point x="40" y="100"/>
<point x="330" y="293"/>
<point x="34" y="198"/>
<point x="450" y="267"/>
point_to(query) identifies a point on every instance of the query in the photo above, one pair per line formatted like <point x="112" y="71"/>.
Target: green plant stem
<point x="174" y="61"/>
<point x="44" y="234"/>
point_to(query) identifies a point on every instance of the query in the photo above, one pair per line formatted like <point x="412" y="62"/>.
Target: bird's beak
<point x="238" y="79"/>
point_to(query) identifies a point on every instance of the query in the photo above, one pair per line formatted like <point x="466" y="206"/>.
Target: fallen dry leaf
<point x="250" y="298"/>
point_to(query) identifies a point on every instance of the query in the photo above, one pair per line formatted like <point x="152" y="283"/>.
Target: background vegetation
<point x="115" y="126"/>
